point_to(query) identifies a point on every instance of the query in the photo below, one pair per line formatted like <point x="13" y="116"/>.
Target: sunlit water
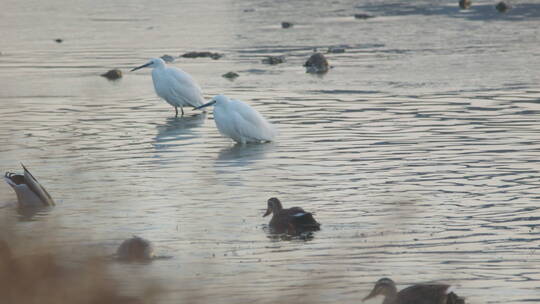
<point x="419" y="151"/>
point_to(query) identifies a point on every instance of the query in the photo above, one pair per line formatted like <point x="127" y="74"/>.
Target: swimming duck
<point x="292" y="221"/>
<point x="29" y="191"/>
<point x="135" y="249"/>
<point x="416" y="294"/>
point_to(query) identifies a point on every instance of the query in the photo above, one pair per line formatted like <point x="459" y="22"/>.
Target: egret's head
<point x="217" y="100"/>
<point x="153" y="63"/>
<point x="273" y="205"/>
<point x="384" y="286"/>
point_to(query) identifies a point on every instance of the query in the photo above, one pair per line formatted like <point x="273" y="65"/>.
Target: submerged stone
<point x="167" y="58"/>
<point x="214" y="56"/>
<point x="317" y="64"/>
<point x="363" y="16"/>
<point x="274" y="59"/>
<point x="135" y="249"/>
<point x="336" y="50"/>
<point x="502" y="7"/>
<point x="58" y="40"/>
<point x="230" y="75"/>
<point x="113" y="74"/>
<point x="286" y="24"/>
<point x="465" y="4"/>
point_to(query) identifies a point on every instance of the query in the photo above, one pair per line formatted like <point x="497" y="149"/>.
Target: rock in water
<point x="214" y="56"/>
<point x="502" y="7"/>
<point x="113" y="74"/>
<point x="317" y="64"/>
<point x="230" y="75"/>
<point x="135" y="249"/>
<point x="286" y="24"/>
<point x="274" y="59"/>
<point x="167" y="58"/>
<point x="465" y="4"/>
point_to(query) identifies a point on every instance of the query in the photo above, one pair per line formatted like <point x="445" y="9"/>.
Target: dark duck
<point x="292" y="221"/>
<point x="416" y="294"/>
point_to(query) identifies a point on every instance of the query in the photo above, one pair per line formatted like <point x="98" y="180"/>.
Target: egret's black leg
<point x="176" y="110"/>
<point x="182" y="109"/>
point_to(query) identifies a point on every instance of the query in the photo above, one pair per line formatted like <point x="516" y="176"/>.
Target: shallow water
<point x="418" y="152"/>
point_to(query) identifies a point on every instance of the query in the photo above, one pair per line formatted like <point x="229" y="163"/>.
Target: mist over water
<point x="418" y="151"/>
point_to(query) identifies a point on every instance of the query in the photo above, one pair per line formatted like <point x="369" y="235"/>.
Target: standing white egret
<point x="239" y="121"/>
<point x="174" y="85"/>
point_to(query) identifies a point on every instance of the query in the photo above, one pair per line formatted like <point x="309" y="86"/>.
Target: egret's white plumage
<point x="175" y="86"/>
<point x="239" y="121"/>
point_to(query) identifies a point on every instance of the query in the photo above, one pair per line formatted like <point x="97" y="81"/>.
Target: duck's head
<point x="217" y="100"/>
<point x="274" y="205"/>
<point x="153" y="63"/>
<point x="384" y="286"/>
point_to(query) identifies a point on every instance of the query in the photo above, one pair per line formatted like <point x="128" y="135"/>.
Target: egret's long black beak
<point x="206" y="105"/>
<point x="140" y="67"/>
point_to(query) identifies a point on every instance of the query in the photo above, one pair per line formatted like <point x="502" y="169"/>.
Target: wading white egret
<point x="174" y="85"/>
<point x="239" y="121"/>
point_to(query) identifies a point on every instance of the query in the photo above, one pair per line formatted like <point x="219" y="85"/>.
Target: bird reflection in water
<point x="178" y="128"/>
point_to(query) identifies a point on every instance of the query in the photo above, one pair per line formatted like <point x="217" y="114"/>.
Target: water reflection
<point x="29" y="213"/>
<point x="179" y="128"/>
<point x="241" y="155"/>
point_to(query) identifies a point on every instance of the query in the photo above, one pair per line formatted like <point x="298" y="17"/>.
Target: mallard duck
<point x="291" y="221"/>
<point x="29" y="191"/>
<point x="416" y="294"/>
<point x="135" y="249"/>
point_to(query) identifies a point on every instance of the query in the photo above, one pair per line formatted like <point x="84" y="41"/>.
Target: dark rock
<point x="286" y="24"/>
<point x="336" y="50"/>
<point x="274" y="59"/>
<point x="317" y="64"/>
<point x="249" y="10"/>
<point x="502" y="7"/>
<point x="230" y="75"/>
<point x="465" y="4"/>
<point x="135" y="249"/>
<point x="113" y="74"/>
<point x="214" y="56"/>
<point x="363" y="16"/>
<point x="58" y="40"/>
<point x="167" y="58"/>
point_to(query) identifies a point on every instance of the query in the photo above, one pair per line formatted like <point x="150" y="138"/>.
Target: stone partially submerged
<point x="113" y="74"/>
<point x="135" y="249"/>
<point x="214" y="56"/>
<point x="317" y="64"/>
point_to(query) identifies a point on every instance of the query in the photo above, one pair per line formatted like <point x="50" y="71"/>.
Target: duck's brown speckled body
<point x="416" y="294"/>
<point x="292" y="221"/>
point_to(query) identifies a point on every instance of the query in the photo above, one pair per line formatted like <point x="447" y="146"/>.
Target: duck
<point x="291" y="221"/>
<point x="30" y="193"/>
<point x="416" y="294"/>
<point x="135" y="249"/>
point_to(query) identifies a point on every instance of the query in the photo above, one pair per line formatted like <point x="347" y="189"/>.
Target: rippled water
<point x="418" y="152"/>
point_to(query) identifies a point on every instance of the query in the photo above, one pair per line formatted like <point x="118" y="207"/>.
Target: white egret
<point x="29" y="191"/>
<point x="239" y="121"/>
<point x="174" y="85"/>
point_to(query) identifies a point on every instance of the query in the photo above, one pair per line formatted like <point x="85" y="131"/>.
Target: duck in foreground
<point x="29" y="191"/>
<point x="175" y="86"/>
<point x="292" y="221"/>
<point x="135" y="249"/>
<point x="416" y="294"/>
<point x="239" y="121"/>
